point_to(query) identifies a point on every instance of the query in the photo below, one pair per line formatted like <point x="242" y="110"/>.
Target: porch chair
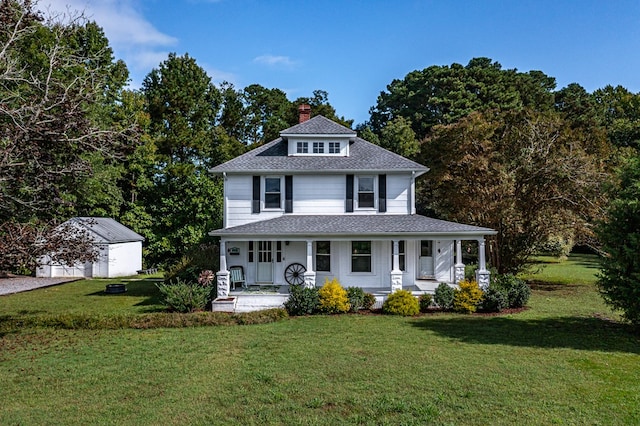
<point x="236" y="276"/>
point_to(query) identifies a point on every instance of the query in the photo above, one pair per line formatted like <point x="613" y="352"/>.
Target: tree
<point x="185" y="202"/>
<point x="60" y="143"/>
<point x="440" y="95"/>
<point x="619" y="281"/>
<point x="397" y="136"/>
<point x="25" y="246"/>
<point x="620" y="111"/>
<point x="520" y="173"/>
<point x="56" y="80"/>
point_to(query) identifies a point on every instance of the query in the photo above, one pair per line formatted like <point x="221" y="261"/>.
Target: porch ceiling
<point x="349" y="226"/>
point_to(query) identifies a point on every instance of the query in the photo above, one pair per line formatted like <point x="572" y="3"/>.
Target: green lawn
<point x="560" y="362"/>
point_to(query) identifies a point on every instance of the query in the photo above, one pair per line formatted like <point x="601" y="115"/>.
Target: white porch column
<point x="459" y="267"/>
<point x="222" y="276"/>
<point x="396" y="273"/>
<point x="483" y="276"/>
<point x="309" y="274"/>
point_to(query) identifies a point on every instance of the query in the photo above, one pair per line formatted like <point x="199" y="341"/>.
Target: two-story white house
<point x="320" y="202"/>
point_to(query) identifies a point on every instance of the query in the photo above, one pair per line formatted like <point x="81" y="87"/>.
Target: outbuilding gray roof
<point x="379" y="225"/>
<point x="363" y="156"/>
<point x="107" y="230"/>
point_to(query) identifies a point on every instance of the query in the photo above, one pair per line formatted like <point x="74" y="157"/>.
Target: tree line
<point x="507" y="149"/>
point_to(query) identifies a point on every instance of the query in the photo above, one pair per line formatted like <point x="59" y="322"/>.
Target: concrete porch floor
<point x="258" y="298"/>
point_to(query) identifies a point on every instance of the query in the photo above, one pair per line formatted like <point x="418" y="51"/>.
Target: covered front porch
<point x="379" y="253"/>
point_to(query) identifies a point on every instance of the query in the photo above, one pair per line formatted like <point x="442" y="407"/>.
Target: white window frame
<point x="334" y="147"/>
<point x="369" y="255"/>
<point x="323" y="254"/>
<point x="318" y="147"/>
<point x="302" y="147"/>
<point x="265" y="193"/>
<point x="374" y="192"/>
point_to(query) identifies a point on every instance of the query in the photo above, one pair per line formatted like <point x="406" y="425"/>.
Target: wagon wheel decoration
<point x="294" y="274"/>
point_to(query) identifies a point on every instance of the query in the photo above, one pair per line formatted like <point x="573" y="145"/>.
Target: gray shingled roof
<point x="107" y="230"/>
<point x="318" y="125"/>
<point x="363" y="156"/>
<point x="348" y="225"/>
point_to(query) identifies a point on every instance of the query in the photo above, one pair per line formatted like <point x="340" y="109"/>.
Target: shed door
<point x="425" y="262"/>
<point x="265" y="262"/>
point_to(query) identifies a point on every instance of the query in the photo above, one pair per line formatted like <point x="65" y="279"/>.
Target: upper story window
<point x="366" y="192"/>
<point x="302" y="148"/>
<point x="318" y="147"/>
<point x="272" y="193"/>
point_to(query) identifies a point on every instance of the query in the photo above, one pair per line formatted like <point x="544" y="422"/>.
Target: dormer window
<point x="318" y="147"/>
<point x="334" y="147"/>
<point x="302" y="148"/>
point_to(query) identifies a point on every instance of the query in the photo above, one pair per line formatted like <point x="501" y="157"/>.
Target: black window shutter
<point x="382" y="193"/>
<point x="255" y="204"/>
<point x="288" y="194"/>
<point x="349" y="204"/>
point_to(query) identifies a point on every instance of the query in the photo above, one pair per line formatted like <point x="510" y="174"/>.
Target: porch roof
<point x="349" y="226"/>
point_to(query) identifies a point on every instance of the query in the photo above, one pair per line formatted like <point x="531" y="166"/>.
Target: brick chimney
<point x="305" y="113"/>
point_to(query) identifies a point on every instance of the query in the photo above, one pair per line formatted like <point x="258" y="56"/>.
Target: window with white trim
<point x="323" y="256"/>
<point x="302" y="148"/>
<point x="272" y="193"/>
<point x="318" y="147"/>
<point x="334" y="147"/>
<point x="361" y="256"/>
<point x="366" y="192"/>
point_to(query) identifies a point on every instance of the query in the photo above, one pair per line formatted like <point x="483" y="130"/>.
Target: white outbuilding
<point x="120" y="251"/>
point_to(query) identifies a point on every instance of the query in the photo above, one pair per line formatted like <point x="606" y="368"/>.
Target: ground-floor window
<point x="401" y="255"/>
<point x="361" y="256"/>
<point x="323" y="256"/>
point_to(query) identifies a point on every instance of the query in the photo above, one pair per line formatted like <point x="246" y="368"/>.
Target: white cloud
<point x="275" y="61"/>
<point x="133" y="38"/>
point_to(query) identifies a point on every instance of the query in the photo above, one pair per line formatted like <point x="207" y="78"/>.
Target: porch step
<point x="257" y="302"/>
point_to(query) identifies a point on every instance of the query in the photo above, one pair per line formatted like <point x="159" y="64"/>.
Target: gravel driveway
<point x="18" y="284"/>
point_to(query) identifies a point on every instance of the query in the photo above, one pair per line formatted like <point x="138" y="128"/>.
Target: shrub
<point x="425" y="301"/>
<point x="443" y="296"/>
<point x="184" y="297"/>
<point x="517" y="291"/>
<point x="368" y="301"/>
<point x="302" y="300"/>
<point x="494" y="300"/>
<point x="467" y="297"/>
<point x="189" y="266"/>
<point x="333" y="297"/>
<point x="356" y="298"/>
<point x="401" y="302"/>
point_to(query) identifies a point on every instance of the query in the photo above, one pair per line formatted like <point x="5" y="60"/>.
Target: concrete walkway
<point x="19" y="284"/>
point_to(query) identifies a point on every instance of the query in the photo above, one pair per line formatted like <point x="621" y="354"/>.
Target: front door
<point x="265" y="262"/>
<point x="425" y="262"/>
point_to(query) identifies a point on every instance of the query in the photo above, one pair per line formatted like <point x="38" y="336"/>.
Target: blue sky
<point x="354" y="49"/>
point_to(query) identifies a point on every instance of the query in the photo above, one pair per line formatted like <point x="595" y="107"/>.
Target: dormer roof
<point x="318" y="126"/>
<point x="364" y="156"/>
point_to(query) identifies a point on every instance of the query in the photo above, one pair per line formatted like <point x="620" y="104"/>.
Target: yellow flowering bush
<point x="467" y="297"/>
<point x="333" y="297"/>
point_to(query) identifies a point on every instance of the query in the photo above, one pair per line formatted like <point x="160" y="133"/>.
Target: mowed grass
<point x="562" y="361"/>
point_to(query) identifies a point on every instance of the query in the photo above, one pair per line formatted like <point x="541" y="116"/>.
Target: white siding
<point x="124" y="259"/>
<point x="312" y="195"/>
